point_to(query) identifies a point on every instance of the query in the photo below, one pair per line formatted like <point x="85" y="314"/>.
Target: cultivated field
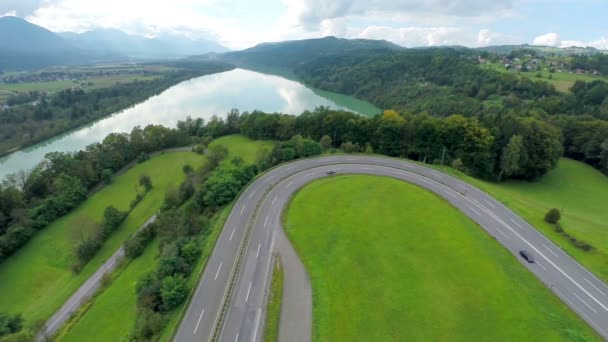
<point x="391" y="261"/>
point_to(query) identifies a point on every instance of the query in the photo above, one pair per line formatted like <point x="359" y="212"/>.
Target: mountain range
<point x="24" y="45"/>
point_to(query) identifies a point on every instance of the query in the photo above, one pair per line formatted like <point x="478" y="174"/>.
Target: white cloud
<point x="553" y="39"/>
<point x="549" y="39"/>
<point x="22" y="8"/>
<point x="486" y="37"/>
<point x="310" y="13"/>
<point x="414" y="36"/>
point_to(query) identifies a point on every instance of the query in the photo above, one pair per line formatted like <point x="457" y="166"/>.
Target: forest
<point x="442" y="82"/>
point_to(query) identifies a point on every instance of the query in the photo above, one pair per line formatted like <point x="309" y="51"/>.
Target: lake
<point x="200" y="97"/>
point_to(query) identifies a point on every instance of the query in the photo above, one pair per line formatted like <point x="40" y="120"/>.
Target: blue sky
<point x="241" y="23"/>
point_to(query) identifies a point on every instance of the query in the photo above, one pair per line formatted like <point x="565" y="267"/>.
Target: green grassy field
<point x="241" y="146"/>
<point x="561" y="80"/>
<point x="579" y="190"/>
<point x="114" y="309"/>
<point x="273" y="309"/>
<point x="54" y="86"/>
<point x="392" y="262"/>
<point x="37" y="280"/>
<point x="125" y="319"/>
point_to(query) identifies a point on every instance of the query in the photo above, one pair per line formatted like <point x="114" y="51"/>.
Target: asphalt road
<point x="253" y="230"/>
<point x="84" y="292"/>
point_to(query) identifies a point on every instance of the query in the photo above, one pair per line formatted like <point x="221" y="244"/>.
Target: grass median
<point x="273" y="308"/>
<point x="391" y="261"/>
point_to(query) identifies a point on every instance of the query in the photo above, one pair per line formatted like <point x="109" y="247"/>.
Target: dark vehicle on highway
<point x="331" y="172"/>
<point x="527" y="256"/>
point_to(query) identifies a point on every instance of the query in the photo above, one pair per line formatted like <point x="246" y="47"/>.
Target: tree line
<point x="29" y="201"/>
<point x="490" y="146"/>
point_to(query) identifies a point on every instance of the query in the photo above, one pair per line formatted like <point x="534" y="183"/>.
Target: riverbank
<point x="82" y="110"/>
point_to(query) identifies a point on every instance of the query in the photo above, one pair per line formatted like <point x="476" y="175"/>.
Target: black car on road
<point x="526" y="255"/>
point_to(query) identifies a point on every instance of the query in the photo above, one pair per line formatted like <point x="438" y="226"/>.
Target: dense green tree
<point x="325" y="142"/>
<point x="173" y="291"/>
<point x="512" y="157"/>
<point x="146" y="182"/>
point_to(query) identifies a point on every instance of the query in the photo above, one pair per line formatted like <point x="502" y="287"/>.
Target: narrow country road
<point x="86" y="291"/>
<point x="229" y="301"/>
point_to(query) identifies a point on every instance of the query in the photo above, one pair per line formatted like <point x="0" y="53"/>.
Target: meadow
<point x="579" y="191"/>
<point x="122" y="289"/>
<point x="390" y="261"/>
<point x="38" y="279"/>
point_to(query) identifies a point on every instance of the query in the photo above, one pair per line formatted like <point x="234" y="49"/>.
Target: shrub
<point x="148" y="324"/>
<point x="173" y="291"/>
<point x="10" y="324"/>
<point x="325" y="142"/>
<point x="142" y="157"/>
<point x="148" y="293"/>
<point x="553" y="216"/>
<point x="112" y="218"/>
<point x="136" y="200"/>
<point x="558" y="228"/>
<point x="146" y="182"/>
<point x="135" y="245"/>
<point x="457" y="164"/>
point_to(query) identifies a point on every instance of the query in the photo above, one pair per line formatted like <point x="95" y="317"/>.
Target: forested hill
<point x="443" y="82"/>
<point x="290" y="54"/>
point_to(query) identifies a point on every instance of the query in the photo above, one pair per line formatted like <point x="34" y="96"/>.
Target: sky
<point x="239" y="24"/>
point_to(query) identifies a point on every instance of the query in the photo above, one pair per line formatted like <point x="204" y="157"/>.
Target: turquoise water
<point x="200" y="97"/>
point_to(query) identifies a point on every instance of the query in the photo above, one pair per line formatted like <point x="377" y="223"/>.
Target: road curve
<point x="232" y="308"/>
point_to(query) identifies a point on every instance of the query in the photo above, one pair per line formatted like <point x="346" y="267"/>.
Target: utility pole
<point x="442" y="155"/>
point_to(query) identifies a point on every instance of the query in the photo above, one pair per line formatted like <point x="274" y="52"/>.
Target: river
<point x="200" y="97"/>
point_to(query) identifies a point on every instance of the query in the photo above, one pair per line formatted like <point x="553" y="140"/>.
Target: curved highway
<point x="229" y="301"/>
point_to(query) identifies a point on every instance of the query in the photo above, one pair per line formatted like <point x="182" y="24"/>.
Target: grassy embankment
<point x="391" y="261"/>
<point x="122" y="289"/>
<point x="579" y="190"/>
<point x="37" y="280"/>
<point x="273" y="309"/>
